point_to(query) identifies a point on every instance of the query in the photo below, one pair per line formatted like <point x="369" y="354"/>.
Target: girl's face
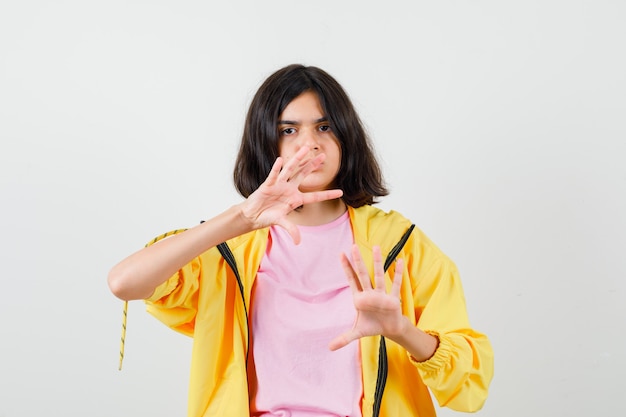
<point x="303" y="123"/>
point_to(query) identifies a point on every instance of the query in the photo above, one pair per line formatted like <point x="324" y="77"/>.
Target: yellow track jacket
<point x="203" y="300"/>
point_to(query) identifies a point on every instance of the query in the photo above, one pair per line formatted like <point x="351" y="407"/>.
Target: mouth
<point x="305" y="162"/>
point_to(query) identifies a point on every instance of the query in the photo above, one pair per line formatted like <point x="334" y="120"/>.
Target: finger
<point x="274" y="171"/>
<point x="297" y="173"/>
<point x="294" y="164"/>
<point x="353" y="280"/>
<point x="397" y="278"/>
<point x="379" y="271"/>
<point x="317" y="196"/>
<point x="343" y="340"/>
<point x="307" y="166"/>
<point x="361" y="269"/>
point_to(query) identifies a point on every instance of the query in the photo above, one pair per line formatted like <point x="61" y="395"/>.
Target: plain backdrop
<point x="500" y="127"/>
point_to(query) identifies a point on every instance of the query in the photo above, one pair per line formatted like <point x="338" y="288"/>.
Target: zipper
<point x="383" y="366"/>
<point x="227" y="254"/>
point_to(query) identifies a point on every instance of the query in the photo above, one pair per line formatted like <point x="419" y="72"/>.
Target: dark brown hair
<point x="359" y="175"/>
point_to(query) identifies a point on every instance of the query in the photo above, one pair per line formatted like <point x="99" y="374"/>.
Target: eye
<point x="287" y="131"/>
<point x="324" y="128"/>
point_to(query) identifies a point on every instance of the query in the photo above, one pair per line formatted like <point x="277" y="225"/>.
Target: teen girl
<point x="278" y="329"/>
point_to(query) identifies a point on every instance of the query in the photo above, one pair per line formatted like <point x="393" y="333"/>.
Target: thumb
<point x="292" y="229"/>
<point x="343" y="340"/>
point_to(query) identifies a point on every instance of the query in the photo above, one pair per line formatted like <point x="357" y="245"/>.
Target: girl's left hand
<point x="378" y="312"/>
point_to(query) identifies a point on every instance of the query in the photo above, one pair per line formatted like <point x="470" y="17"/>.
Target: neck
<point x="316" y="214"/>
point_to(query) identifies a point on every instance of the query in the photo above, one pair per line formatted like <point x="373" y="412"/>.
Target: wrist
<point x="419" y="344"/>
<point x="402" y="331"/>
<point x="241" y="215"/>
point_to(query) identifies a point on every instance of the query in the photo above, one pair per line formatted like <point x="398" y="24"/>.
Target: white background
<point x="500" y="127"/>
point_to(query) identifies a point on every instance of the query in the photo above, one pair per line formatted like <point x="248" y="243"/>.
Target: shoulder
<point x="252" y="238"/>
<point x="369" y="219"/>
<point x="374" y="226"/>
<point x="248" y="250"/>
<point x="242" y="247"/>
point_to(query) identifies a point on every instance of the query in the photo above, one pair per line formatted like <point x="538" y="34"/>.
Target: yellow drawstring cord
<point x="124" y="317"/>
<point x="123" y="334"/>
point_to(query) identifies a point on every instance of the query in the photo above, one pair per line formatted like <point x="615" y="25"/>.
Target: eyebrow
<point x="292" y="122"/>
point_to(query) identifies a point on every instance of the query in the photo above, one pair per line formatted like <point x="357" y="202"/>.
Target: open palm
<point x="378" y="312"/>
<point x="280" y="194"/>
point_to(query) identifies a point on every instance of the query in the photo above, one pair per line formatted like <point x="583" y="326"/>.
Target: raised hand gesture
<point x="280" y="194"/>
<point x="378" y="311"/>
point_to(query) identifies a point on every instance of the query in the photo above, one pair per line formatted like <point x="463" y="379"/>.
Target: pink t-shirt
<point x="302" y="301"/>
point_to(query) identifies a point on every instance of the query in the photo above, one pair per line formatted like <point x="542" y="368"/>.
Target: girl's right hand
<point x="279" y="194"/>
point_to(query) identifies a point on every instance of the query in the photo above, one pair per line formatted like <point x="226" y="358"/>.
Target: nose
<point x="310" y="139"/>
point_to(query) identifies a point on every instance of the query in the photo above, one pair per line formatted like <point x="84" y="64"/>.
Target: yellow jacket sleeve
<point x="175" y="301"/>
<point x="459" y="372"/>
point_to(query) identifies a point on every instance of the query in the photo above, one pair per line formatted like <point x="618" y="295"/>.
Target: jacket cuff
<point x="439" y="359"/>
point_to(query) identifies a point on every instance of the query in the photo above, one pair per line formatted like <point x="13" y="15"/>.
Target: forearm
<point x="138" y="275"/>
